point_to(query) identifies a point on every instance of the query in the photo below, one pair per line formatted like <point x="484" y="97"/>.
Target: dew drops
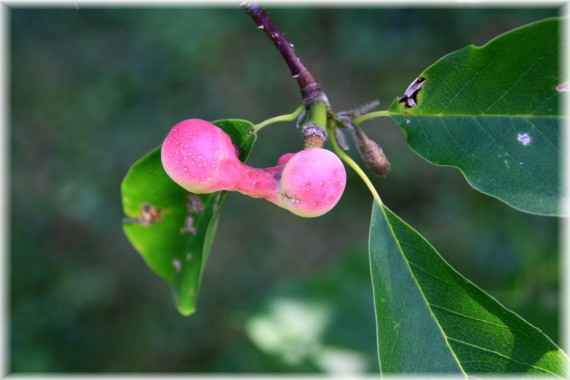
<point x="321" y="183"/>
<point x="408" y="122"/>
<point x="176" y="264"/>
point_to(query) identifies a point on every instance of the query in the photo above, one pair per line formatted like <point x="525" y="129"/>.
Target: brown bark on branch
<point x="311" y="91"/>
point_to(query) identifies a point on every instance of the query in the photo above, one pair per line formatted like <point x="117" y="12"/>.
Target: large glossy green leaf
<point x="430" y="319"/>
<point x="493" y="112"/>
<point x="172" y="229"/>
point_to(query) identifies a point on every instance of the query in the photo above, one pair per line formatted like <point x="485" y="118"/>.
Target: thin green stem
<point x="350" y="162"/>
<point x="277" y="119"/>
<point x="371" y="115"/>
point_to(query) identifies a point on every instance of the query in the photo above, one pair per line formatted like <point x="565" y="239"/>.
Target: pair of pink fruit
<point x="201" y="158"/>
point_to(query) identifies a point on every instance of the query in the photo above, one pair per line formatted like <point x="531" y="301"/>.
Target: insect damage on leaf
<point x="188" y="226"/>
<point x="149" y="214"/>
<point x="525" y="139"/>
<point x="564" y="87"/>
<point x="194" y="204"/>
<point x="410" y="97"/>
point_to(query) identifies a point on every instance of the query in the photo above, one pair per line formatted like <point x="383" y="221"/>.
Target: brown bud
<point x="371" y="153"/>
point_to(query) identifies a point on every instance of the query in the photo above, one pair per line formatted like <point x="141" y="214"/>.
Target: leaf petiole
<point x="277" y="119"/>
<point x="371" y="115"/>
<point x="350" y="162"/>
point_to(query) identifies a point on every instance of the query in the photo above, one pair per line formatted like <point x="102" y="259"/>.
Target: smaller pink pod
<point x="312" y="182"/>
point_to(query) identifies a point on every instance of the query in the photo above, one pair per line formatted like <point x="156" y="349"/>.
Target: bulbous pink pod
<point x="312" y="182"/>
<point x="201" y="158"/>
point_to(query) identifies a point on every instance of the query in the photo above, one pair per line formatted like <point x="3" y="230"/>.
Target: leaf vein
<point x="521" y="76"/>
<point x="470" y="80"/>
<point x="523" y="168"/>
<point x="503" y="356"/>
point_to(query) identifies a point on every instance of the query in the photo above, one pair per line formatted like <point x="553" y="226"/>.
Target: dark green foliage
<point x="493" y="112"/>
<point x="430" y="319"/>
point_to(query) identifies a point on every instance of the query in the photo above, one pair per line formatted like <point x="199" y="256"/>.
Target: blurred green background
<point x="94" y="89"/>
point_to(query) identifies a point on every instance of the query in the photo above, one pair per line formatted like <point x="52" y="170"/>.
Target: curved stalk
<point x="278" y="119"/>
<point x="371" y="115"/>
<point x="350" y="162"/>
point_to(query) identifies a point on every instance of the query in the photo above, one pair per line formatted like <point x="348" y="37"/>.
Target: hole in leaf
<point x="410" y="97"/>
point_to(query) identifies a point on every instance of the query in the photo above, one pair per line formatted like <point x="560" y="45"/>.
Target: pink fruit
<point x="200" y="157"/>
<point x="312" y="182"/>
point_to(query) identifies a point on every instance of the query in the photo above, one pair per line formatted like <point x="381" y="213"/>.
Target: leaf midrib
<point x="442" y="115"/>
<point x="382" y="208"/>
<point x="430" y="305"/>
<point x="503" y="356"/>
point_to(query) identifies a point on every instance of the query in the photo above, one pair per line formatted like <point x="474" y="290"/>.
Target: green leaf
<point x="493" y="112"/>
<point x="172" y="229"/>
<point x="430" y="319"/>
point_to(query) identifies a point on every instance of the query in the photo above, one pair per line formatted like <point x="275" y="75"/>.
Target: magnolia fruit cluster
<point x="201" y="158"/>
